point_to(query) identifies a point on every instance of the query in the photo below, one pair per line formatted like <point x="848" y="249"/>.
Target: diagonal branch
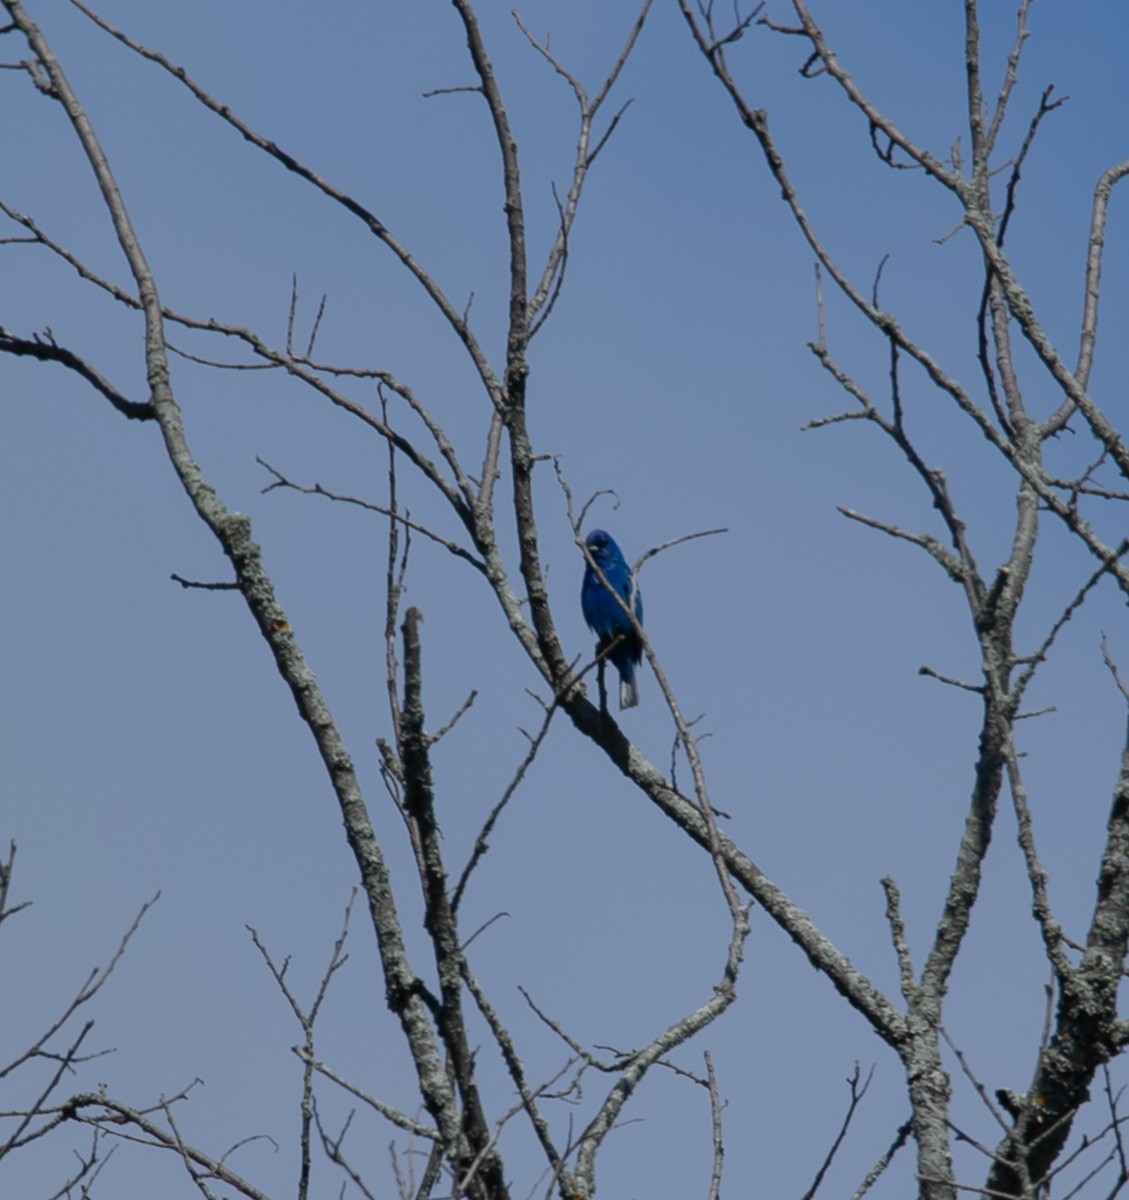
<point x="50" y="351"/>
<point x="373" y="223"/>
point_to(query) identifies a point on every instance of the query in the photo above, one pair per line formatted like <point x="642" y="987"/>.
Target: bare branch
<point x="898" y="936"/>
<point x="858" y="1091"/>
<point x="48" y="350"/>
<point x="415" y="1128"/>
<point x="880" y="1166"/>
<point x="116" y="1119"/>
<point x="953" y="567"/>
<point x="547" y="288"/>
<point x="716" y="1108"/>
<point x="316" y="489"/>
<point x="93" y="984"/>
<point x="6" y="866"/>
<point x="481" y="842"/>
<point x="371" y="222"/>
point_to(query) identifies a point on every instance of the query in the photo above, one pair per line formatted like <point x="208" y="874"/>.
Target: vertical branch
<point x="716" y="1107"/>
<point x="1087" y="1032"/>
<point x="1011" y="77"/>
<point x="6" y="883"/>
<point x="975" y="94"/>
<point x="1088" y="337"/>
<point x="477" y="1157"/>
<point x="393" y="579"/>
<point x="512" y="407"/>
<point x="1036" y="872"/>
<point x="307" y="1019"/>
<point x="548" y="288"/>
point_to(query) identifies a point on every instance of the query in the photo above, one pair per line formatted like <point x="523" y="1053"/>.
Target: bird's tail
<point x="628" y="688"/>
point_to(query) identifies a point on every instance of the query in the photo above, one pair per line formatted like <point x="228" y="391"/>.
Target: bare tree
<point x="490" y="485"/>
<point x="983" y="181"/>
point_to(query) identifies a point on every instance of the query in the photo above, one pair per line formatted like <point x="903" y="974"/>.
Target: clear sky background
<point x="147" y="743"/>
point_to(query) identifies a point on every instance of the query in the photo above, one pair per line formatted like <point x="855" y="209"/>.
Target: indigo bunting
<point x="606" y="618"/>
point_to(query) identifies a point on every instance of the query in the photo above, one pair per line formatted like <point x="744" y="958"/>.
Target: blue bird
<point x="606" y="618"/>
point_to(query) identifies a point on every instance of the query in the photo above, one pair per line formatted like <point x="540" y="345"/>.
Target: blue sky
<point x="147" y="743"/>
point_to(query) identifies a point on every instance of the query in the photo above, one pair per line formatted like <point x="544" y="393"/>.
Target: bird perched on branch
<point x="606" y="616"/>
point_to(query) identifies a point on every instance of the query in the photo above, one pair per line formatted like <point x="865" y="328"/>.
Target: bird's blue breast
<point x="603" y="614"/>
